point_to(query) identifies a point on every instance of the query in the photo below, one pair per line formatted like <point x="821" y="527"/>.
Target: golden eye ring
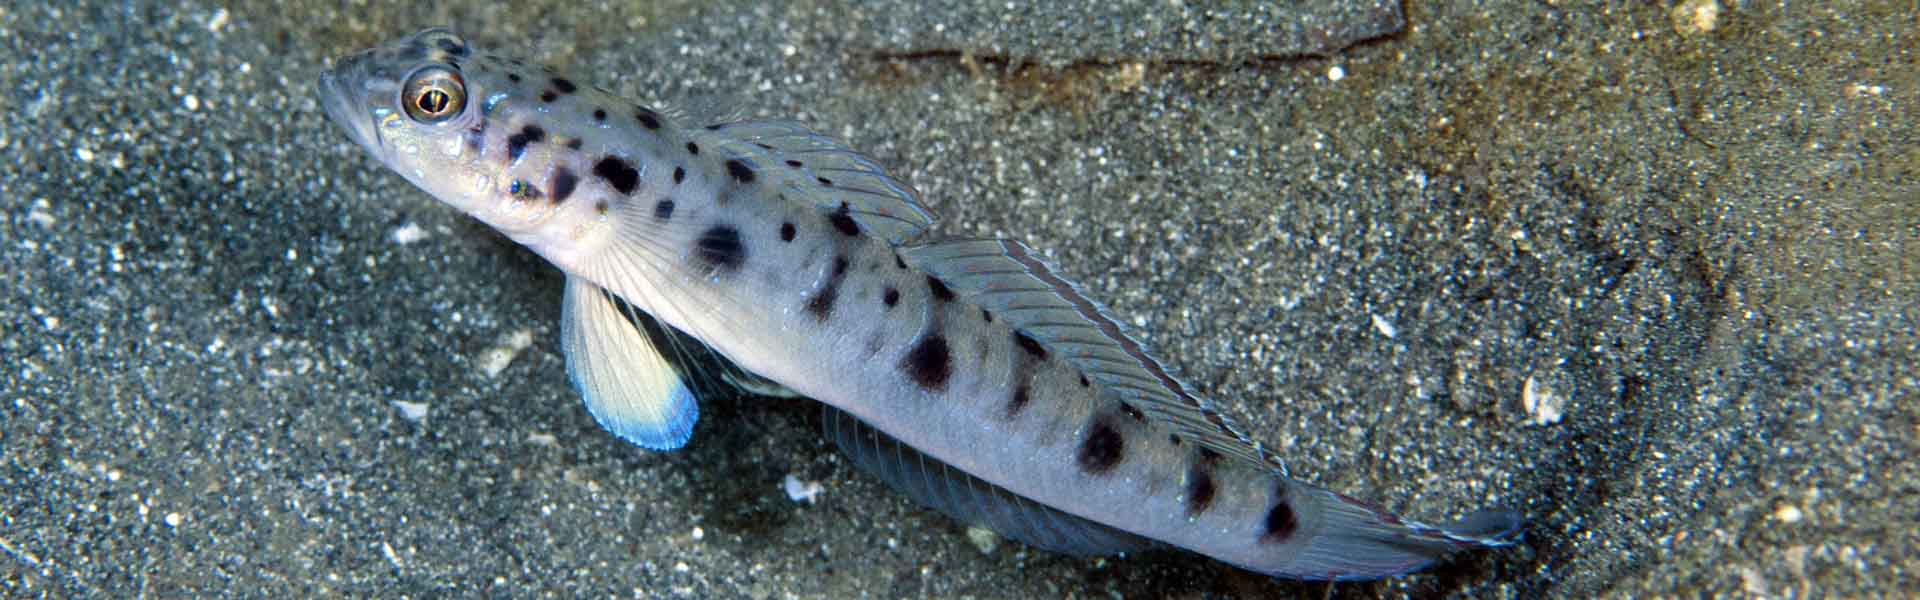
<point x="434" y="94"/>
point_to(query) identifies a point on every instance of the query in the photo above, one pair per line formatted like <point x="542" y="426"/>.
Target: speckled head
<point x="458" y="123"/>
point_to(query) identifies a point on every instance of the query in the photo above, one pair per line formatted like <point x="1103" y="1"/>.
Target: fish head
<point x="424" y="106"/>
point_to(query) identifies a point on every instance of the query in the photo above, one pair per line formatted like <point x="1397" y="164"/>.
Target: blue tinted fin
<point x="629" y="387"/>
<point x="970" y="499"/>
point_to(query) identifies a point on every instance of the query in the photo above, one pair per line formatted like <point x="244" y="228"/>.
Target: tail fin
<point x="1358" y="541"/>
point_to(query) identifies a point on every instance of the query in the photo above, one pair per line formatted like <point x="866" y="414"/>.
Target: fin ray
<point x="1357" y="541"/>
<point x="1006" y="277"/>
<point x="629" y="387"/>
<point x="828" y="174"/>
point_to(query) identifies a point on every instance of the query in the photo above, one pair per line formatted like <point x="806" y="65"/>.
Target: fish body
<point x="966" y="373"/>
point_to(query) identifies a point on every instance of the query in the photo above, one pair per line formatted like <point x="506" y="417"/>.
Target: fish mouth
<point x="343" y="94"/>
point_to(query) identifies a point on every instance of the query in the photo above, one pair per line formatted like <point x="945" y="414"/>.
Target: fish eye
<point x="434" y="94"/>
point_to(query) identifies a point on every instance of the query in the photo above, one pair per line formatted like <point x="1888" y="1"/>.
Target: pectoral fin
<point x="629" y="387"/>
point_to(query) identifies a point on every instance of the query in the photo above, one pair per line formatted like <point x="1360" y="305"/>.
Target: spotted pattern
<point x="739" y="170"/>
<point x="842" y="220"/>
<point x="1018" y="401"/>
<point x="648" y="119"/>
<point x="1101" y="449"/>
<point x="1032" y="346"/>
<point x="720" y="247"/>
<point x="518" y="142"/>
<point x="618" y="173"/>
<point x="930" y="363"/>
<point x="564" y="181"/>
<point x="1280" y="522"/>
<point x="1200" y="488"/>
<point x="939" y="289"/>
<point x="821" y="305"/>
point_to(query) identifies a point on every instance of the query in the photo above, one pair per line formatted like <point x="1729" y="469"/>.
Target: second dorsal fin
<point x="1006" y="277"/>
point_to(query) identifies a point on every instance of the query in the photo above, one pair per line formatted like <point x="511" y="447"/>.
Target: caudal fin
<point x="1357" y="541"/>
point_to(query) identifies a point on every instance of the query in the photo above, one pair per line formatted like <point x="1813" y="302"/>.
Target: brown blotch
<point x="939" y="289"/>
<point x="1200" y="488"/>
<point x="1280" y="522"/>
<point x="930" y="362"/>
<point x="1102" y="449"/>
<point x="1032" y="346"/>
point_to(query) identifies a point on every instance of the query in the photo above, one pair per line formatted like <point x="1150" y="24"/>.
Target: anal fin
<point x="968" y="498"/>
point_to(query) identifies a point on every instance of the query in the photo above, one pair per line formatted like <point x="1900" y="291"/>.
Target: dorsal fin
<point x="1005" y="277"/>
<point x="811" y="167"/>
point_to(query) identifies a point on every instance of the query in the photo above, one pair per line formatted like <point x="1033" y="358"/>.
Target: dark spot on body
<point x="600" y="207"/>
<point x="649" y="120"/>
<point x="693" y="148"/>
<point x="1018" y="401"/>
<point x="1280" y="521"/>
<point x="842" y="219"/>
<point x="549" y="96"/>
<point x="1132" y="412"/>
<point x="573" y="144"/>
<point x="740" y="171"/>
<point x="1032" y="346"/>
<point x="517" y="143"/>
<point x="787" y="232"/>
<point x="565" y="87"/>
<point x="930" y="362"/>
<point x="679" y="175"/>
<point x="899" y="263"/>
<point x="513" y="77"/>
<point x="890" y="297"/>
<point x="713" y="127"/>
<point x="986" y="315"/>
<point x="939" y="289"/>
<point x="618" y="173"/>
<point x="824" y="181"/>
<point x="793" y="163"/>
<point x="821" y="305"/>
<point x="563" y="183"/>
<point x="719" y="246"/>
<point x="1084" y="382"/>
<point x="599" y="114"/>
<point x="1200" y="488"/>
<point x="663" y="210"/>
<point x="1101" y="449"/>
